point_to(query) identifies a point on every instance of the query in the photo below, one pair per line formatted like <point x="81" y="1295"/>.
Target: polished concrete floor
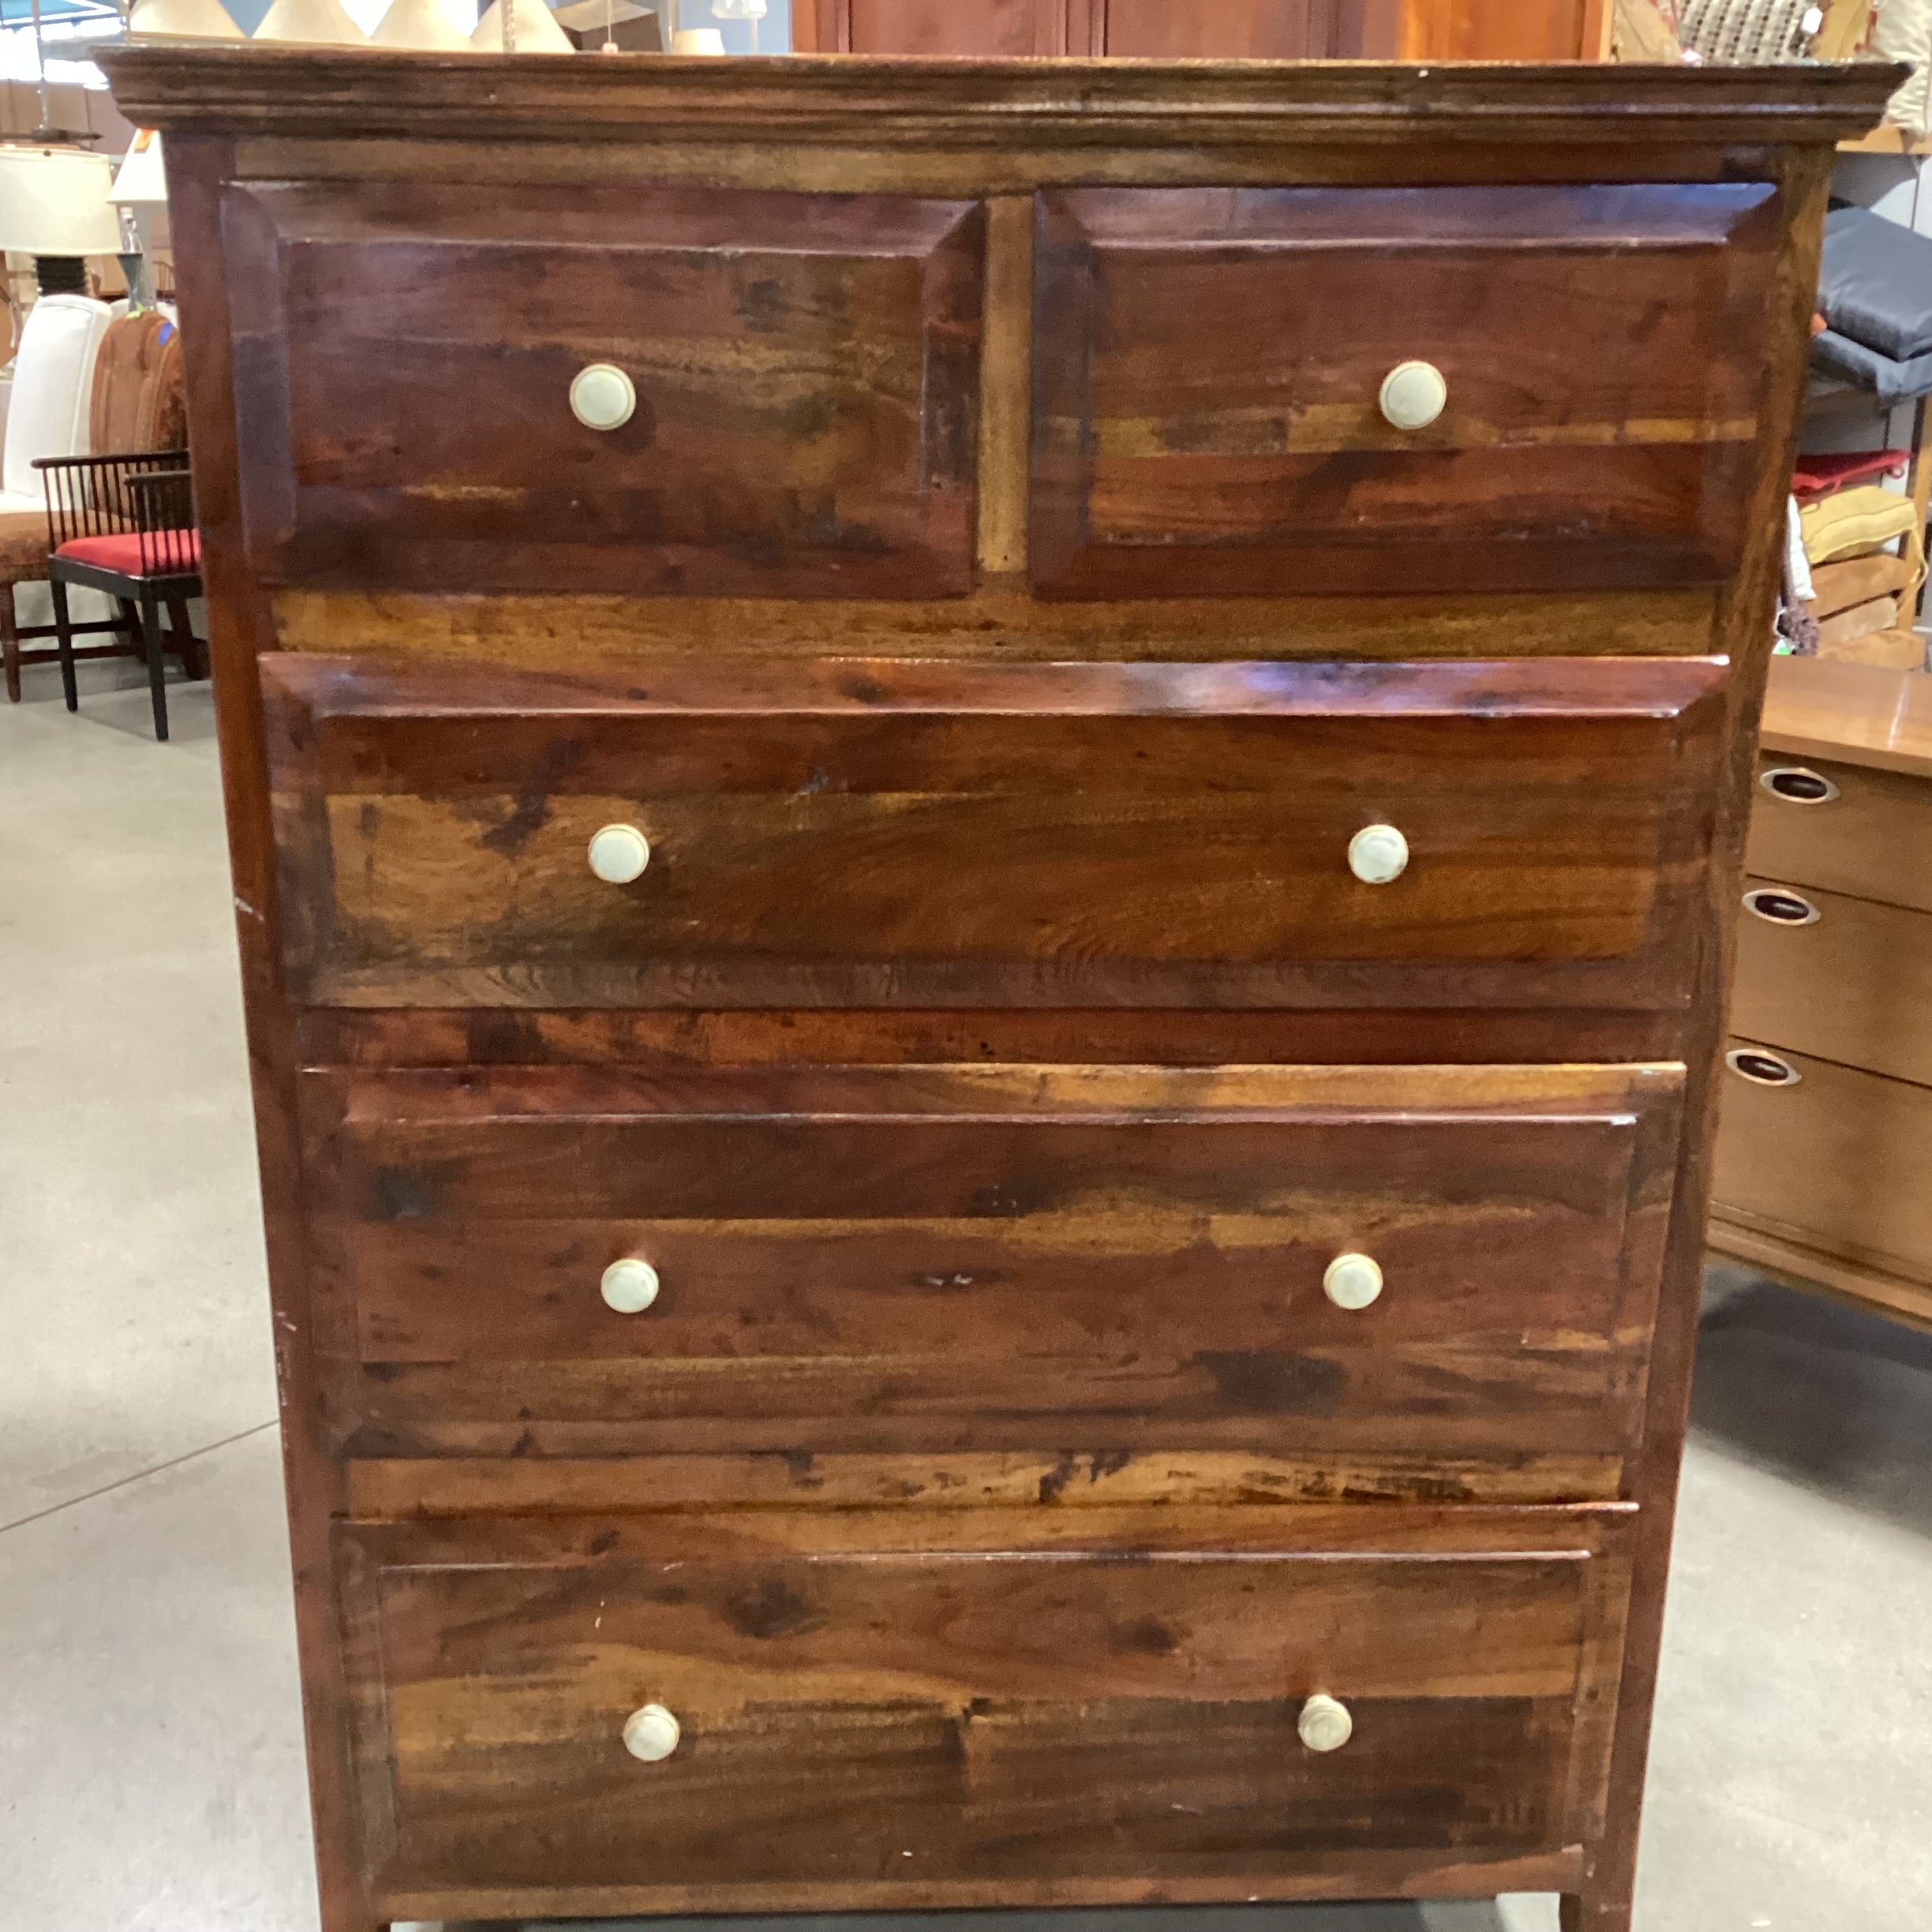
<point x="150" y="1778"/>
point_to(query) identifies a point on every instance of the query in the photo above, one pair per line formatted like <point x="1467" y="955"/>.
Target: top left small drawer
<point x="783" y="401"/>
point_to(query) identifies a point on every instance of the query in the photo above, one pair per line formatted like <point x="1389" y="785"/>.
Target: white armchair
<point x="53" y="388"/>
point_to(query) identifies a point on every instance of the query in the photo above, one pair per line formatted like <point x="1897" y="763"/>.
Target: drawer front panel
<point x="946" y="1259"/>
<point x="1835" y="1160"/>
<point x="908" y="835"/>
<point x="1208" y="373"/>
<point x="1846" y="828"/>
<point x="1841" y="979"/>
<point x="804" y="369"/>
<point x="1088" y="1715"/>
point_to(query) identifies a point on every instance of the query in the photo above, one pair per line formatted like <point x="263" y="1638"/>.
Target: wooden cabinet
<point x="1409" y="30"/>
<point x="1827" y="1104"/>
<point x="985" y="820"/>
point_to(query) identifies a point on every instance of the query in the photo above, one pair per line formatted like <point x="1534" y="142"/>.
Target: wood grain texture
<point x="806" y="370"/>
<point x="1221" y="29"/>
<point x="1022" y="105"/>
<point x="1098" y="1714"/>
<point x="1869" y="841"/>
<point x="1882" y="719"/>
<point x="1112" y="1262"/>
<point x="1180" y="447"/>
<point x="899" y="834"/>
<point x="1855" y="987"/>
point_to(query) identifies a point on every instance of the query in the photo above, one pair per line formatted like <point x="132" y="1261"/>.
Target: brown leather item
<point x="1880" y="613"/>
<point x="139" y="400"/>
<point x="986" y="817"/>
<point x="1894" y="650"/>
<point x="1837" y="587"/>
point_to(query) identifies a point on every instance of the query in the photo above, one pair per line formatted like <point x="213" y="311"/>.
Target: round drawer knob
<point x="619" y="854"/>
<point x="1413" y="395"/>
<point x="1352" y="1281"/>
<point x="1324" y="1724"/>
<point x="602" y="396"/>
<point x="1377" y="854"/>
<point x="651" y="1734"/>
<point x="630" y="1286"/>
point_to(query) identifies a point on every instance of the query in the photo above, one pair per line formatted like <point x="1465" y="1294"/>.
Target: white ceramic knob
<point x="630" y="1286"/>
<point x="619" y="854"/>
<point x="1377" y="854"/>
<point x="651" y="1734"/>
<point x="602" y="396"/>
<point x="1352" y="1281"/>
<point x="1324" y="1724"/>
<point x="1413" y="395"/>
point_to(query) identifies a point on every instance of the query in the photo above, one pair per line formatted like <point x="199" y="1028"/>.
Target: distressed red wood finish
<point x="1017" y="1318"/>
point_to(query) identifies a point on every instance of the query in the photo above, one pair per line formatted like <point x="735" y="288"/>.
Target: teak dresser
<point x="985" y="821"/>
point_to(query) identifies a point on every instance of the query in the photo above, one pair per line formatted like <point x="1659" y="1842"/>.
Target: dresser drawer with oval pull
<point x="1367" y="1265"/>
<point x="1844" y="828"/>
<point x="1835" y="977"/>
<point x="735" y="1713"/>
<point x="605" y="387"/>
<point x="828" y="833"/>
<point x="1321" y="389"/>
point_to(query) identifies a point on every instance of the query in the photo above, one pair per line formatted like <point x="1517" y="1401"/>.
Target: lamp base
<point x="61" y="275"/>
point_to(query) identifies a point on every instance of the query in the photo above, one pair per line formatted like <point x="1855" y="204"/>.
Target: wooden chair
<point x="125" y="525"/>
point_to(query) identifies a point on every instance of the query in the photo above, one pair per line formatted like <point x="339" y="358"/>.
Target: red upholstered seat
<point x="172" y="550"/>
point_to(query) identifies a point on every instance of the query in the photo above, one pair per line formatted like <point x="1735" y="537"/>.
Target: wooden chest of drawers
<point x="985" y="819"/>
<point x="1827" y="1107"/>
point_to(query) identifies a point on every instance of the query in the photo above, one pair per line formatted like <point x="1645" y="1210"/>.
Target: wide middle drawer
<point x="965" y="1259"/>
<point x="837" y="833"/>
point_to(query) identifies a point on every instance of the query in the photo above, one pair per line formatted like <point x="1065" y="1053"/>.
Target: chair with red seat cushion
<point x="125" y="524"/>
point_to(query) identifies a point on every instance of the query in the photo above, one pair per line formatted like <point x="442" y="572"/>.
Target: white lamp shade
<point x="142" y="181"/>
<point x="536" y="32"/>
<point x="182" y="20"/>
<point x="424" y="25"/>
<point x="54" y="201"/>
<point x="697" y="40"/>
<point x="738" y="9"/>
<point x="311" y="23"/>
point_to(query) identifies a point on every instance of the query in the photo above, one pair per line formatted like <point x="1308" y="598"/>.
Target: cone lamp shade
<point x="182" y="20"/>
<point x="536" y="32"/>
<point x="142" y="181"/>
<point x="311" y="23"/>
<point x="423" y="25"/>
<point x="54" y="201"/>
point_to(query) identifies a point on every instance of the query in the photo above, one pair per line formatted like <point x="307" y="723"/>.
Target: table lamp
<point x="182" y="19"/>
<point x="54" y="206"/>
<point x="141" y="185"/>
<point x="311" y="23"/>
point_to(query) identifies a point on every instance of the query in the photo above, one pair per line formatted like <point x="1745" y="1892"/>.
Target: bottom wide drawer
<point x="714" y="1713"/>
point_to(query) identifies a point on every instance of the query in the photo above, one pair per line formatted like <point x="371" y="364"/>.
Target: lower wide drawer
<point x="1099" y="1263"/>
<point x="1828" y="1157"/>
<point x="863" y="1710"/>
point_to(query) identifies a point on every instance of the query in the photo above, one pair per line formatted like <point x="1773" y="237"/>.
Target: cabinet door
<point x="1220" y="29"/>
<point x="803" y="370"/>
<point x="983" y="27"/>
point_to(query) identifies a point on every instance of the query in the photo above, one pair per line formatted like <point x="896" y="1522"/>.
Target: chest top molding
<point x="835" y="100"/>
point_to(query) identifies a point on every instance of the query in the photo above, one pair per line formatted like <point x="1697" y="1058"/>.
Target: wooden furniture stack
<point x="1405" y="30"/>
<point x="1827" y="1110"/>
<point x="984" y="820"/>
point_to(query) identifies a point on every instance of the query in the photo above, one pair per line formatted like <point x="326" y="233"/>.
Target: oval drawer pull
<point x="651" y="1734"/>
<point x="602" y="396"/>
<point x="1413" y="395"/>
<point x="1779" y="906"/>
<point x="630" y="1286"/>
<point x="1352" y="1281"/>
<point x="1378" y="854"/>
<point x="1761" y="1068"/>
<point x="1797" y="784"/>
<point x="1324" y="1724"/>
<point x="619" y="854"/>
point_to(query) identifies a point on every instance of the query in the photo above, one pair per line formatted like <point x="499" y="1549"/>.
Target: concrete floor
<point x="150" y="1778"/>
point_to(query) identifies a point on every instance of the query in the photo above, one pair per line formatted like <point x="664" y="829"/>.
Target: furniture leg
<point x="1918" y="479"/>
<point x="1587" y="1912"/>
<point x="157" y="662"/>
<point x="63" y="627"/>
<point x="10" y="644"/>
<point x="193" y="652"/>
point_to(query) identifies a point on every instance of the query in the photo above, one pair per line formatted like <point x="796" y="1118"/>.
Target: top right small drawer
<point x="1842" y="827"/>
<point x="1336" y="390"/>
